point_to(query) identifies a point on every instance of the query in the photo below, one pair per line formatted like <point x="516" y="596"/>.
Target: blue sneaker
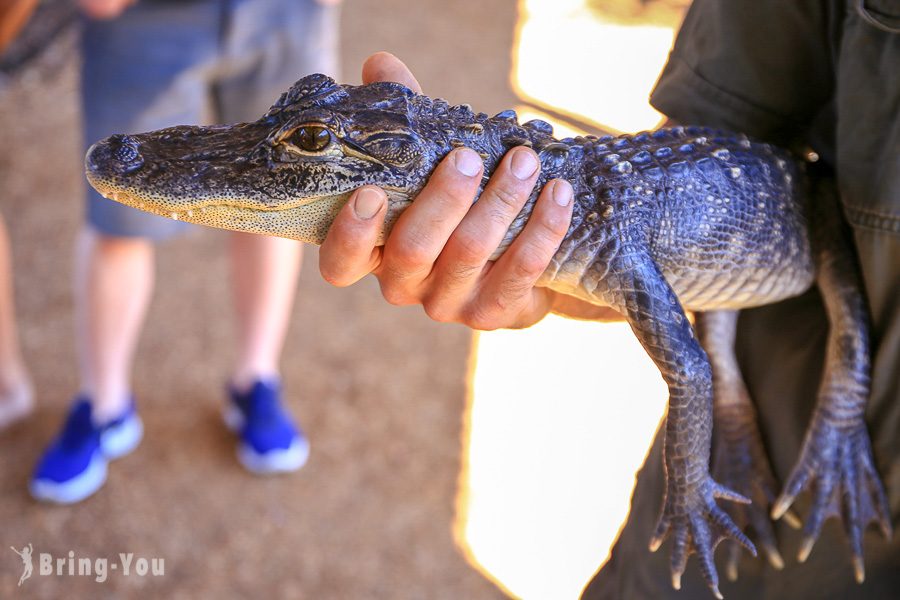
<point x="74" y="465"/>
<point x="270" y="442"/>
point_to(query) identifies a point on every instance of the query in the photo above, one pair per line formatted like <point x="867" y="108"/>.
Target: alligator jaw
<point x="306" y="220"/>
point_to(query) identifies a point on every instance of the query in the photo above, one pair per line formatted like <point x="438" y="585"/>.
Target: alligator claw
<point x="740" y="462"/>
<point x="757" y="518"/>
<point x="698" y="527"/>
<point x="859" y="570"/>
<point x="837" y="467"/>
<point x="791" y="518"/>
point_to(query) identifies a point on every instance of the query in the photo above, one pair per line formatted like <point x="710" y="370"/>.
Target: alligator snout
<point x="116" y="155"/>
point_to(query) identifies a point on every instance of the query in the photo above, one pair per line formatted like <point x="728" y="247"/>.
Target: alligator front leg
<point x="836" y="462"/>
<point x="634" y="286"/>
<point x="739" y="458"/>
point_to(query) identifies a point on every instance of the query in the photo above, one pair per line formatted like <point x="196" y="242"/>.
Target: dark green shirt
<point x="823" y="74"/>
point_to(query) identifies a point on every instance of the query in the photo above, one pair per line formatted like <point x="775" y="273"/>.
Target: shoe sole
<point x="118" y="440"/>
<point x="74" y="490"/>
<point x="115" y="442"/>
<point x="275" y="461"/>
<point x="272" y="462"/>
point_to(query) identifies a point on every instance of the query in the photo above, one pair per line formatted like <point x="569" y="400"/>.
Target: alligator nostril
<point x="124" y="149"/>
<point x="126" y="153"/>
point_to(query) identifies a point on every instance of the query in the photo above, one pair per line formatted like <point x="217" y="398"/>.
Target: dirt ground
<point x="379" y="390"/>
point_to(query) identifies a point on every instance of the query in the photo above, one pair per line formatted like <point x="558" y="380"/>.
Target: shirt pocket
<point x="867" y="94"/>
<point x="883" y="14"/>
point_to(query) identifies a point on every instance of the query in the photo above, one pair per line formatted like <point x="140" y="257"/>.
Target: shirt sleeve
<point x="762" y="67"/>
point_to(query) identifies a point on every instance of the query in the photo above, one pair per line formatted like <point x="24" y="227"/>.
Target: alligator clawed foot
<point x="698" y="525"/>
<point x="740" y="463"/>
<point x="837" y="467"/>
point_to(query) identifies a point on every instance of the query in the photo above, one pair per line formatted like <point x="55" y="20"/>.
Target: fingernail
<point x="523" y="164"/>
<point x="562" y="192"/>
<point x="367" y="203"/>
<point x="467" y="162"/>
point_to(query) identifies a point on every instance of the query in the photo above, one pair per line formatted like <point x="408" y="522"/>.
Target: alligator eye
<point x="312" y="139"/>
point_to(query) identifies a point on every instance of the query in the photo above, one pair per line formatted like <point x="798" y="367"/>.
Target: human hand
<point x="104" y="9"/>
<point x="437" y="253"/>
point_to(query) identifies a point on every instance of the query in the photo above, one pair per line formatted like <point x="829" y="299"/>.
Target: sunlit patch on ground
<point x="561" y="415"/>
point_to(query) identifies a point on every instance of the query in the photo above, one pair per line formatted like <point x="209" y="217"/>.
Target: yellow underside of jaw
<point x="306" y="220"/>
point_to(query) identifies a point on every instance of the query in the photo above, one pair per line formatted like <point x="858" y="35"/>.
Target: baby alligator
<point x="665" y="221"/>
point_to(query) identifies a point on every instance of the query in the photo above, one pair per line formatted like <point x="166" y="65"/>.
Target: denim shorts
<point x="193" y="63"/>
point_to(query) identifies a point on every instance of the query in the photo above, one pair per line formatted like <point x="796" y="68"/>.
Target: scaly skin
<point x="836" y="462"/>
<point x="739" y="458"/>
<point x="673" y="220"/>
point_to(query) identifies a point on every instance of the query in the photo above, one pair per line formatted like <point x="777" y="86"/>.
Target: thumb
<point x="384" y="66"/>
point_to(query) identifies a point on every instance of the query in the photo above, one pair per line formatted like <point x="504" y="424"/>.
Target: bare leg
<point x="16" y="393"/>
<point x="113" y="285"/>
<point x="264" y="275"/>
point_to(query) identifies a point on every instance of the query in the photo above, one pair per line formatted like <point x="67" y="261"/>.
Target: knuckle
<point x="509" y="200"/>
<point x="481" y="320"/>
<point x="464" y="271"/>
<point x="396" y="294"/>
<point x="551" y="227"/>
<point x="439" y="311"/>
<point x="339" y="273"/>
<point x="499" y="219"/>
<point x="470" y="249"/>
<point x="513" y="291"/>
<point x="412" y="255"/>
<point x="556" y="227"/>
<point x="528" y="264"/>
<point x="495" y="310"/>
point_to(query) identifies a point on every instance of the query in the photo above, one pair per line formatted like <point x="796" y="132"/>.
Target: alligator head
<point x="291" y="171"/>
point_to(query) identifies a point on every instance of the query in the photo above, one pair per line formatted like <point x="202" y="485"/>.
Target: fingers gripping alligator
<point x="666" y="221"/>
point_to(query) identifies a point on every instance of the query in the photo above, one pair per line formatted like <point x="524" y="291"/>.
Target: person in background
<point x="823" y="76"/>
<point x="13" y="16"/>
<point x="148" y="65"/>
<point x="16" y="391"/>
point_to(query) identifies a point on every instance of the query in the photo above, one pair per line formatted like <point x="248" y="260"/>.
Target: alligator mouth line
<point x="159" y="207"/>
